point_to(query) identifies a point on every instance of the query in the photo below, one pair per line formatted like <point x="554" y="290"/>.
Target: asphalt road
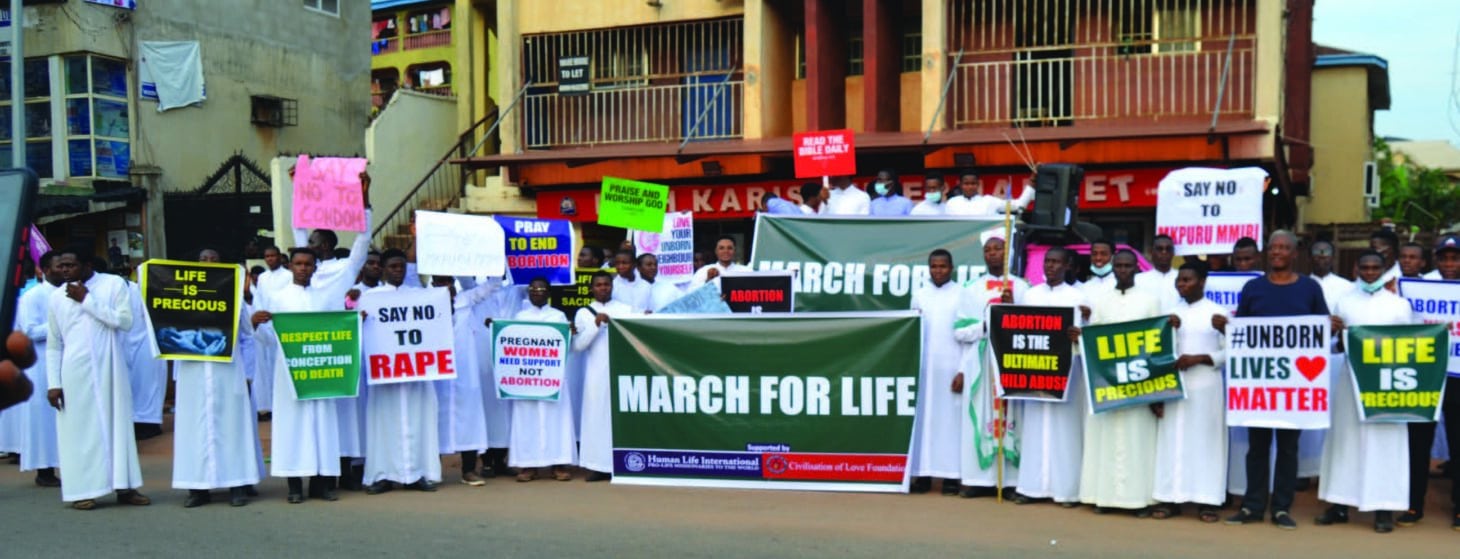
<point x="546" y="518"/>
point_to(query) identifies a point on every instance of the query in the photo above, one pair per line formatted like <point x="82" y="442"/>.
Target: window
<point x="39" y="155"/>
<point x="1147" y="29"/>
<point x="620" y="67"/>
<point x="273" y="112"/>
<point x="331" y="7"/>
<point x="854" y="54"/>
<point x="98" y="126"/>
<point x="912" y="51"/>
<point x="1174" y="24"/>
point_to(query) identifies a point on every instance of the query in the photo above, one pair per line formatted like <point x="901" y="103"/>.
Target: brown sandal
<point x="1164" y="511"/>
<point x="87" y="504"/>
<point x="1208" y="515"/>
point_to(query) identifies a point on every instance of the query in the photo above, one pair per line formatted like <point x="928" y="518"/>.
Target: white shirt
<point x="1432" y="275"/>
<point x="927" y="208"/>
<point x="1163" y="286"/>
<point x="1334" y="288"/>
<point x="848" y="201"/>
<point x="703" y="273"/>
<point x="632" y="292"/>
<point x="987" y="205"/>
<point x="805" y="209"/>
<point x="662" y="293"/>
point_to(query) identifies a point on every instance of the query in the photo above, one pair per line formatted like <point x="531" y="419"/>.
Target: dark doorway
<point x="226" y="213"/>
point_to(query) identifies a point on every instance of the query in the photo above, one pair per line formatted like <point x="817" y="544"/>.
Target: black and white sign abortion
<point x="758" y="292"/>
<point x="1032" y="352"/>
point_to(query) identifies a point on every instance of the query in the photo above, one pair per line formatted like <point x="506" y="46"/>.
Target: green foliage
<point x="1414" y="195"/>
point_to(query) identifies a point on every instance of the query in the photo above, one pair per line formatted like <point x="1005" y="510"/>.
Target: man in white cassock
<point x="542" y="431"/>
<point x="724" y="262"/>
<point x="1160" y="280"/>
<point x="661" y="292"/>
<point x="1365" y="464"/>
<point x="214" y="442"/>
<point x="276" y="276"/>
<point x="86" y="373"/>
<point x="38" y="451"/>
<point x="590" y="345"/>
<point x="306" y="433"/>
<point x="1051" y="433"/>
<point x="461" y="418"/>
<point x="628" y="287"/>
<point x="148" y="374"/>
<point x="935" y="443"/>
<point x="1118" y="466"/>
<point x="1191" y="439"/>
<point x="978" y="408"/>
<point x="502" y="304"/>
<point x="402" y="444"/>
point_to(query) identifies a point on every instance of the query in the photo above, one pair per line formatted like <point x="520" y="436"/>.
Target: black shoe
<point x="598" y="476"/>
<point x="197" y="498"/>
<point x="1283" y="520"/>
<point x="144" y="431"/>
<point x="1383" y="522"/>
<point x="950" y="487"/>
<point x="973" y="492"/>
<point x="424" y="485"/>
<point x="250" y="491"/>
<point x="1022" y="499"/>
<point x="1410" y="518"/>
<point x="487" y="472"/>
<point x="920" y="485"/>
<point x="296" y="498"/>
<point x="1244" y="516"/>
<point x="237" y="497"/>
<point x="1336" y="514"/>
<point x="379" y="487"/>
<point x="47" y="480"/>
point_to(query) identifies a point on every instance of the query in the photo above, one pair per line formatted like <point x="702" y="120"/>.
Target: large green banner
<point x="1398" y="371"/>
<point x="322" y="350"/>
<point x="1131" y="363"/>
<point x="809" y="401"/>
<point x="849" y="264"/>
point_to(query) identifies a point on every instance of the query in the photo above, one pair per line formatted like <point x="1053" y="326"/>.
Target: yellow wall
<point x="545" y="16"/>
<point x="1342" y="137"/>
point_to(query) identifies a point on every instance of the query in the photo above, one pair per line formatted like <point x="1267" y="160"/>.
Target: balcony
<point x="658" y="113"/>
<point x="414" y="41"/>
<point x="1063" y="63"/>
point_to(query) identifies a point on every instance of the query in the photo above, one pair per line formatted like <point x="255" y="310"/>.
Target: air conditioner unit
<point x="1371" y="180"/>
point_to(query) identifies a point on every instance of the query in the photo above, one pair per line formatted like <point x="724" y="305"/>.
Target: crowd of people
<point x="92" y="387"/>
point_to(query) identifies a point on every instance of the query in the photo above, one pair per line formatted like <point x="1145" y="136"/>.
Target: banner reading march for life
<point x="1398" y="371"/>
<point x="1130" y="364"/>
<point x="192" y="308"/>
<point x="1437" y="302"/>
<point x="850" y="264"/>
<point x="1278" y="372"/>
<point x="811" y="401"/>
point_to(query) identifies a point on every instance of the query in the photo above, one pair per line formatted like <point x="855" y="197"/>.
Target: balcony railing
<point x="427" y="40"/>
<point x="1062" y="62"/>
<point x="657" y="113"/>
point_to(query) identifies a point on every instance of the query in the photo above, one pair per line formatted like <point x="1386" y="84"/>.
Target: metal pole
<point x="947" y="84"/>
<point x="17" y="88"/>
<point x="500" y="118"/>
<point x="1222" y="83"/>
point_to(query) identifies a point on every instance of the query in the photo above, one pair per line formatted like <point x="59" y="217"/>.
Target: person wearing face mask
<point x="889" y="200"/>
<point x="932" y="203"/>
<point x="1101" y="277"/>
<point x="1365" y="464"/>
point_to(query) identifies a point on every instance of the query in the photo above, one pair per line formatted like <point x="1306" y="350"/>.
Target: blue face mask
<point x="881" y="188"/>
<point x="1102" y="270"/>
<point x="934" y="197"/>
<point x="1371" y="287"/>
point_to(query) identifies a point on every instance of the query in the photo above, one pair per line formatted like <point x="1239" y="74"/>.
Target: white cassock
<point x="85" y="358"/>
<point x="1334" y="287"/>
<point x="939" y="426"/>
<point x="662" y="293"/>
<point x="334" y="278"/>
<point x="591" y="347"/>
<point x="352" y="410"/>
<point x="848" y="201"/>
<point x="978" y="443"/>
<point x="265" y="341"/>
<point x="401" y="440"/>
<point x="1118" y="467"/>
<point x="1191" y="439"/>
<point x="461" y="418"/>
<point x="148" y="373"/>
<point x="306" y="433"/>
<point x="1365" y="464"/>
<point x="1162" y="286"/>
<point x="501" y="305"/>
<point x="215" y="444"/>
<point x="1051" y="433"/>
<point x="632" y="292"/>
<point x="38" y="419"/>
<point x="704" y="272"/>
<point x="542" y="432"/>
<point x="927" y="208"/>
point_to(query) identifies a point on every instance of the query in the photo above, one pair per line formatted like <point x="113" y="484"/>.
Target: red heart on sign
<point x="1311" y="367"/>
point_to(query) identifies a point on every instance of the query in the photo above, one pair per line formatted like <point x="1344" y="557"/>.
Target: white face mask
<point x="1371" y="287"/>
<point x="934" y="197"/>
<point x="881" y="188"/>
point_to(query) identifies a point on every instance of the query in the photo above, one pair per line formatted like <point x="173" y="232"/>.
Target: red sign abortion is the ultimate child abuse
<point x="1032" y="352"/>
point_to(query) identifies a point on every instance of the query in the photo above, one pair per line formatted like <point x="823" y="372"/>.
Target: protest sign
<point x="705" y="300"/>
<point x="1205" y="211"/>
<point x="450" y="244"/>
<point x="529" y="359"/>
<point x="673" y="247"/>
<point x="1277" y="372"/>
<point x="538" y="248"/>
<point x="192" y="308"/>
<point x="327" y="194"/>
<point x="1032" y="352"/>
<point x="1130" y="363"/>
<point x="1225" y="288"/>
<point x="1398" y="371"/>
<point x="823" y="402"/>
<point x="632" y="204"/>
<point x="322" y="350"/>
<point x="579" y="294"/>
<point x="758" y="292"/>
<point x="827" y="153"/>
<point x="1437" y="302"/>
<point x="408" y="335"/>
<point x="850" y="264"/>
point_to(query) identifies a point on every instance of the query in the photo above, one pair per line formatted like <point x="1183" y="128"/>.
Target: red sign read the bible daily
<point x="829" y="153"/>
